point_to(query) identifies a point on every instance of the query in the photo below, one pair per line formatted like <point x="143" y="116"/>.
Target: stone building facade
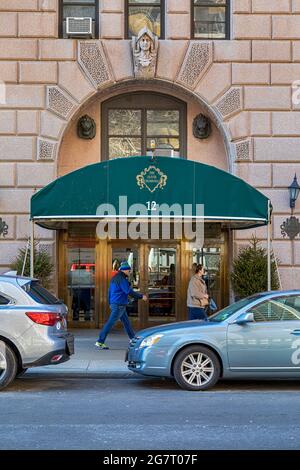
<point x="244" y="83"/>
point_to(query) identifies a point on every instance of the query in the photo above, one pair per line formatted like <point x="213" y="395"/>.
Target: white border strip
<point x="68" y="217"/>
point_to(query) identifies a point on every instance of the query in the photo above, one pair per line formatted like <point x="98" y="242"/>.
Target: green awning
<point x="159" y="184"/>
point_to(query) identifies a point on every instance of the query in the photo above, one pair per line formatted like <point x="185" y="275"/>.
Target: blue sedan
<point x="257" y="337"/>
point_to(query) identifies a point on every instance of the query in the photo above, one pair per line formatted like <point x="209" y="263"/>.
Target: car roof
<point x="10" y="277"/>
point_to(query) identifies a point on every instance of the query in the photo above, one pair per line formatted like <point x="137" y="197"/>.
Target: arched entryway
<point x="162" y="263"/>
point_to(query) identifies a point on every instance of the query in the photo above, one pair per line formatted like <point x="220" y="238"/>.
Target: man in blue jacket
<point x="119" y="290"/>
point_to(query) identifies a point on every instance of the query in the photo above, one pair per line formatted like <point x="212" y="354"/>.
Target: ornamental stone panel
<point x="92" y="59"/>
<point x="46" y="149"/>
<point x="243" y="150"/>
<point x="197" y="60"/>
<point x="230" y="103"/>
<point x="59" y="102"/>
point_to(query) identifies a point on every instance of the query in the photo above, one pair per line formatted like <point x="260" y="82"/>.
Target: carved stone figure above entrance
<point x="201" y="127"/>
<point x="145" y="47"/>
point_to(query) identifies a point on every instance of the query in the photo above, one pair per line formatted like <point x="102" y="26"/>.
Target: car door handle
<point x="295" y="332"/>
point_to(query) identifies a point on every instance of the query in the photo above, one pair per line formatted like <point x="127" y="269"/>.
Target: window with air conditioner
<point x="79" y="19"/>
<point x="210" y="19"/>
<point x="141" y="14"/>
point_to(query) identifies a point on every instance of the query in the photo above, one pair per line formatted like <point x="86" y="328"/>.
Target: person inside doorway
<point x="197" y="297"/>
<point x="119" y="291"/>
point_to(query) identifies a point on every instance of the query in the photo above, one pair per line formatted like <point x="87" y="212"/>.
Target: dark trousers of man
<point x="118" y="312"/>
<point x="196" y="313"/>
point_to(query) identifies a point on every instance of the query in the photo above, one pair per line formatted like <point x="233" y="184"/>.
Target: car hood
<point x="175" y="326"/>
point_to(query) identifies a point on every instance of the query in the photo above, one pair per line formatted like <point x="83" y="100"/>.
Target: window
<point x="141" y="14"/>
<point x="137" y="123"/>
<point x="79" y="9"/>
<point x="278" y="309"/>
<point x="4" y="300"/>
<point x="210" y="19"/>
<point x="40" y="294"/>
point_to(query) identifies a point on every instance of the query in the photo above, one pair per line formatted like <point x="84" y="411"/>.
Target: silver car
<point x="33" y="328"/>
<point x="257" y="337"/>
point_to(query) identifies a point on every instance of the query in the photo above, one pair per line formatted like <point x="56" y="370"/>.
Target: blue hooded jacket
<point x="120" y="289"/>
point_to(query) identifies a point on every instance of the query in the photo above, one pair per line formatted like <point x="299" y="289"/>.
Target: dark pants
<point x="118" y="312"/>
<point x="196" y="313"/>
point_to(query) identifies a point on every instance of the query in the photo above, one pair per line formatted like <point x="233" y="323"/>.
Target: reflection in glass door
<point x="162" y="284"/>
<point x="81" y="284"/>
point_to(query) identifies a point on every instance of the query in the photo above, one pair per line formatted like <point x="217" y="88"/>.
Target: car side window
<point x="278" y="309"/>
<point x="4" y="300"/>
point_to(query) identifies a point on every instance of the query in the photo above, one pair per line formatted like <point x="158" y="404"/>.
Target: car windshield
<point x="224" y="314"/>
<point x="40" y="294"/>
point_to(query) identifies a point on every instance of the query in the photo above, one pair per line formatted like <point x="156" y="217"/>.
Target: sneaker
<point x="101" y="345"/>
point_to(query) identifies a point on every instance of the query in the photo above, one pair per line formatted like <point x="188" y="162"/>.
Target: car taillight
<point x="44" y="318"/>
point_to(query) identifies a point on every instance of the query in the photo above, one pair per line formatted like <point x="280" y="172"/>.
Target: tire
<point x="190" y="376"/>
<point x="21" y="372"/>
<point x="8" y="365"/>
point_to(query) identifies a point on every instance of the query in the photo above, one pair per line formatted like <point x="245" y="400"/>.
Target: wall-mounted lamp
<point x="294" y="190"/>
<point x="291" y="226"/>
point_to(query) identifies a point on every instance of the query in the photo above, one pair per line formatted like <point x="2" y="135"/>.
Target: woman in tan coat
<point x="197" y="297"/>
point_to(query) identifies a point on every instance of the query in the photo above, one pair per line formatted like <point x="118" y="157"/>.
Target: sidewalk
<point x="90" y="362"/>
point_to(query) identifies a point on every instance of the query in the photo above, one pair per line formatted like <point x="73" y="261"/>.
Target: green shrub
<point x="250" y="270"/>
<point x="43" y="266"/>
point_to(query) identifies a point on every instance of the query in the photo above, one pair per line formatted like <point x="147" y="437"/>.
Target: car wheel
<point x="196" y="368"/>
<point x="21" y="372"/>
<point x="8" y="365"/>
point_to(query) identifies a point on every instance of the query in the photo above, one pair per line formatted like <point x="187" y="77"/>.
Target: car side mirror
<point x="247" y="317"/>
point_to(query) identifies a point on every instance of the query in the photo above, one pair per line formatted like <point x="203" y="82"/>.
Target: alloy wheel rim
<point x="3" y="364"/>
<point x="197" y="369"/>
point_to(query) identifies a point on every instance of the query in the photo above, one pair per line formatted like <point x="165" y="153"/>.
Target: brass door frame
<point x="63" y="243"/>
<point x="103" y="259"/>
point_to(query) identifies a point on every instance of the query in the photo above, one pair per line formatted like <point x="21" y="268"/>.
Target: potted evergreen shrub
<point x="250" y="270"/>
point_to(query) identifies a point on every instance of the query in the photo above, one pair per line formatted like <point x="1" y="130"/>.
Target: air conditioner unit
<point x="79" y="26"/>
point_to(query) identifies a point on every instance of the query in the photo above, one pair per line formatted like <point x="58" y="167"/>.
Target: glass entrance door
<point x="161" y="284"/>
<point x="81" y="285"/>
<point x="154" y="272"/>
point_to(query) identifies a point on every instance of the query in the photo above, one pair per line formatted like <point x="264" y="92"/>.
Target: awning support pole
<point x="32" y="248"/>
<point x="269" y="246"/>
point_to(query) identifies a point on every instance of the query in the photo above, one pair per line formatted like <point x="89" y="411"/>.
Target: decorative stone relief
<point x="46" y="149"/>
<point x="86" y="127"/>
<point x="59" y="102"/>
<point x="92" y="59"/>
<point x="201" y="127"/>
<point x="243" y="150"/>
<point x="230" y="103"/>
<point x="3" y="228"/>
<point x="144" y="49"/>
<point x="197" y="60"/>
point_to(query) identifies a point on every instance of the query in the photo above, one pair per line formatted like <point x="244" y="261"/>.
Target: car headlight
<point x="150" y="341"/>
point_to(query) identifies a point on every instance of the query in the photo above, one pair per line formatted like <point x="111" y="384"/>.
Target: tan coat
<point x="196" y="292"/>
